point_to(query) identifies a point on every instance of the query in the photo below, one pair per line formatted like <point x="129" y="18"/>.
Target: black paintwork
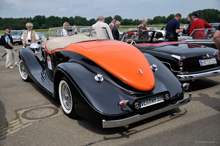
<point x="191" y="56"/>
<point x="93" y="100"/>
<point x="191" y="53"/>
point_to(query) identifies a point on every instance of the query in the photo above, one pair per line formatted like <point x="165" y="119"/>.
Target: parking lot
<point x="196" y="123"/>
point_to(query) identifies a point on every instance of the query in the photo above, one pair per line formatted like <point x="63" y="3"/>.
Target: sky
<point x="130" y="9"/>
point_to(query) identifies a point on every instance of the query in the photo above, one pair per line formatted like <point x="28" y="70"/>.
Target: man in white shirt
<point x="102" y="29"/>
<point x="30" y="36"/>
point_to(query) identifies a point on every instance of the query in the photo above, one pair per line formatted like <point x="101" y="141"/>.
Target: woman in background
<point x="64" y="32"/>
<point x="143" y="35"/>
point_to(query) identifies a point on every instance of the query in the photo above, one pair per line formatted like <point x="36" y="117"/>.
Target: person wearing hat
<point x="217" y="40"/>
<point x="198" y="24"/>
<point x="11" y="58"/>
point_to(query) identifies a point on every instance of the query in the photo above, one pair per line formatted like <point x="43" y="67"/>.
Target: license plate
<point x="207" y="62"/>
<point x="151" y="101"/>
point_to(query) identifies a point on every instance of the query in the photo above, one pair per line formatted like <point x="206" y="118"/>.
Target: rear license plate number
<point x="207" y="62"/>
<point x="151" y="101"/>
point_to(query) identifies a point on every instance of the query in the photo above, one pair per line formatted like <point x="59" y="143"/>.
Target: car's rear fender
<point x="165" y="76"/>
<point x="90" y="97"/>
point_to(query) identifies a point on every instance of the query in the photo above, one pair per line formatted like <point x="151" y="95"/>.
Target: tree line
<point x="42" y="22"/>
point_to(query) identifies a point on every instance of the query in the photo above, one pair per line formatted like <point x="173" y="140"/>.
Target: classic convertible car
<point x="206" y="39"/>
<point x="105" y="81"/>
<point x="16" y="35"/>
<point x="187" y="61"/>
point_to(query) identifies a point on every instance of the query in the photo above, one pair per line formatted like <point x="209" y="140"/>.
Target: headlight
<point x="35" y="47"/>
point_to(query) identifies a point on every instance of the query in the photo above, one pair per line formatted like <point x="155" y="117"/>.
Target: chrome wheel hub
<point x="66" y="96"/>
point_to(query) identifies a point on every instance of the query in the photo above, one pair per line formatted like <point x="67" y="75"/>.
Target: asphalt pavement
<point x="196" y="123"/>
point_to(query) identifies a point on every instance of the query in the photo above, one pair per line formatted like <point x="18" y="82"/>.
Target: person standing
<point x="102" y="29"/>
<point x="30" y="36"/>
<point x="217" y="40"/>
<point x="198" y="24"/>
<point x="189" y="21"/>
<point x="112" y="23"/>
<point x="11" y="58"/>
<point x="111" y="26"/>
<point x="143" y="34"/>
<point x="173" y="28"/>
<point x="115" y="32"/>
<point x="64" y="31"/>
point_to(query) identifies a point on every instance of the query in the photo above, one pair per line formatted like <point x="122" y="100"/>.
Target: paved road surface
<point x="197" y="123"/>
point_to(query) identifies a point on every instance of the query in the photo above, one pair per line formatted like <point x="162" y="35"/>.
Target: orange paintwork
<point x="120" y="59"/>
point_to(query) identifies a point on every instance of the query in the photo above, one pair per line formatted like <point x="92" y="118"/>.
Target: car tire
<point x="22" y="71"/>
<point x="65" y="90"/>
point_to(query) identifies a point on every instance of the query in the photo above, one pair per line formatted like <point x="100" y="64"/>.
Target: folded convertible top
<point x="62" y="42"/>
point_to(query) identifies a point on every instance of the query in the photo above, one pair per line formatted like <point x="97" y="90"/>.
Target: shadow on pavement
<point x="3" y="121"/>
<point x="212" y="102"/>
<point x="202" y="84"/>
<point x="54" y="101"/>
<point x="126" y="133"/>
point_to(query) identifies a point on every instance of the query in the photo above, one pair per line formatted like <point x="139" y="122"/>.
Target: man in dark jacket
<point x="173" y="28"/>
<point x="11" y="57"/>
<point x="115" y="32"/>
<point x="189" y="21"/>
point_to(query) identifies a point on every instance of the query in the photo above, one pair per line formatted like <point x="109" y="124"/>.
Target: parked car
<point x="85" y="31"/>
<point x="214" y="25"/>
<point x="42" y="36"/>
<point x="106" y="81"/>
<point x="132" y="32"/>
<point x="16" y="35"/>
<point x="187" y="61"/>
<point x="206" y="39"/>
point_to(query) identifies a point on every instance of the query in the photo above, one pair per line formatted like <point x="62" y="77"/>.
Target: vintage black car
<point x="105" y="81"/>
<point x="187" y="61"/>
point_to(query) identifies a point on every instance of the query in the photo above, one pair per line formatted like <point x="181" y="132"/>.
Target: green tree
<point x="39" y="19"/>
<point x="92" y="21"/>
<point x="36" y="25"/>
<point x="170" y="17"/>
<point x="117" y="17"/>
<point x="209" y="15"/>
<point x="44" y="26"/>
<point x="108" y="19"/>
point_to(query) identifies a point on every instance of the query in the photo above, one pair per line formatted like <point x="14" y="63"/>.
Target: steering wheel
<point x="132" y="41"/>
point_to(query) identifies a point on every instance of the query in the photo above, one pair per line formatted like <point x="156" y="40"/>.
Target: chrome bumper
<point x="136" y="118"/>
<point x="198" y="76"/>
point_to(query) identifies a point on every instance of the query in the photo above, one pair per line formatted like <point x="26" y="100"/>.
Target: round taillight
<point x="181" y="68"/>
<point x="123" y="103"/>
<point x="185" y="86"/>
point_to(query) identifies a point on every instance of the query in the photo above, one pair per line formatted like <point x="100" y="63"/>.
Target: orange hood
<point x="120" y="59"/>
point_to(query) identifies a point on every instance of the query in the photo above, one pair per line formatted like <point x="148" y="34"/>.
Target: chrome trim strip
<point x="176" y="56"/>
<point x="199" y="75"/>
<point x="170" y="66"/>
<point x="197" y="42"/>
<point x="136" y="118"/>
